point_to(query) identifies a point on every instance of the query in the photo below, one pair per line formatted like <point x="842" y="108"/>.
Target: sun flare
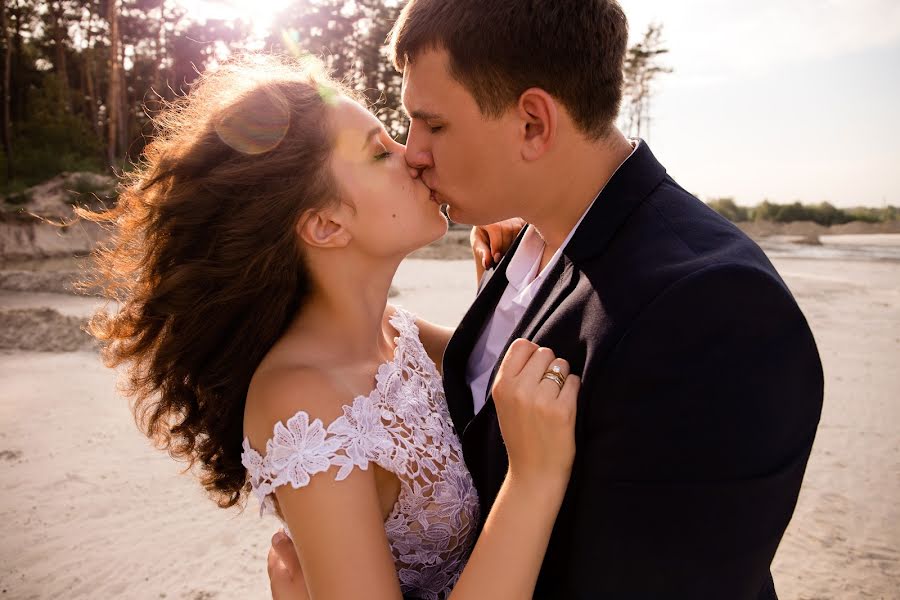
<point x="259" y="15"/>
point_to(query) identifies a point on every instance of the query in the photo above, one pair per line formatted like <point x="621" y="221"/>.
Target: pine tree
<point x="642" y="68"/>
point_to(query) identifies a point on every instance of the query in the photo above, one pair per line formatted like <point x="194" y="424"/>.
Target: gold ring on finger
<point x="557" y="370"/>
<point x="555" y="376"/>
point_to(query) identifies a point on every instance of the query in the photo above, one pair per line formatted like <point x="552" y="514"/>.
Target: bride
<point x="251" y="258"/>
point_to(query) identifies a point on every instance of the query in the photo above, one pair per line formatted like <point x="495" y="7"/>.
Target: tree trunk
<point x="89" y="57"/>
<point x="60" y="33"/>
<point x="17" y="77"/>
<point x="91" y="93"/>
<point x="113" y="101"/>
<point x="124" y="113"/>
<point x="7" y="69"/>
<point x="158" y="48"/>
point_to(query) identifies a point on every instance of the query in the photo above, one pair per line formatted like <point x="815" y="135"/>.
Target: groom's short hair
<point x="572" y="49"/>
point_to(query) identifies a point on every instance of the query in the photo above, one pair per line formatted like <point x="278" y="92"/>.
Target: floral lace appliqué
<point x="403" y="426"/>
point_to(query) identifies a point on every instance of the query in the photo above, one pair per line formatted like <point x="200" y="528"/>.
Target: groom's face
<point x="471" y="161"/>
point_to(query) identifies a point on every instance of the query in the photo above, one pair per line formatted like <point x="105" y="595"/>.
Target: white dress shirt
<point x="524" y="282"/>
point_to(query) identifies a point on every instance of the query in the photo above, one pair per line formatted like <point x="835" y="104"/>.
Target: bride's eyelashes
<point x="381" y="150"/>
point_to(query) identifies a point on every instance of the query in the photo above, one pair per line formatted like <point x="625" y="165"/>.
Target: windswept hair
<point x="204" y="268"/>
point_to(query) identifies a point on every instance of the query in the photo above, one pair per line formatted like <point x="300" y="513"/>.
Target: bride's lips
<point x="435" y="196"/>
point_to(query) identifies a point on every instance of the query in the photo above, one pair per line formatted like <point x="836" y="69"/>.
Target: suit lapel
<point x="558" y="284"/>
<point x="456" y="356"/>
<point x="481" y="437"/>
<point x="563" y="278"/>
<point x="633" y="181"/>
<point x="486" y="278"/>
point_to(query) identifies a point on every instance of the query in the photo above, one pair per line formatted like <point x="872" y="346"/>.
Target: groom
<point x="701" y="382"/>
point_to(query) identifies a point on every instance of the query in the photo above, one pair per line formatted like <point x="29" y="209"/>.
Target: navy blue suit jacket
<point x="701" y="394"/>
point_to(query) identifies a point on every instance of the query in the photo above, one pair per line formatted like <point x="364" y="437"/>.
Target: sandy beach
<point x="90" y="510"/>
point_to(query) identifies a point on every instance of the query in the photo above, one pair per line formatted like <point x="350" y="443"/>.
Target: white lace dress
<point x="403" y="426"/>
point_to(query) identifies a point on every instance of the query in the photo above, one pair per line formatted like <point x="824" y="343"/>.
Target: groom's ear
<point x="325" y="227"/>
<point x="539" y="116"/>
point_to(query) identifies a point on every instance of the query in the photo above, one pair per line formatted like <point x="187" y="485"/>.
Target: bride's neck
<point x="347" y="303"/>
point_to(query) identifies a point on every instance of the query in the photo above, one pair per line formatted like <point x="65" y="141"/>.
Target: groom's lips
<point x="436" y="196"/>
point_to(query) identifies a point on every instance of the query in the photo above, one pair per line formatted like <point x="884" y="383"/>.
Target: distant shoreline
<point x="29" y="230"/>
<point x="762" y="229"/>
<point x="34" y="246"/>
<point x="769" y="235"/>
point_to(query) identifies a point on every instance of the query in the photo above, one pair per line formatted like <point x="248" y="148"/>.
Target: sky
<point x="777" y="100"/>
<point x="769" y="99"/>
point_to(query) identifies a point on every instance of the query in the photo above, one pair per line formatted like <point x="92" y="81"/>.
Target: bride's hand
<point x="285" y="574"/>
<point x="537" y="415"/>
<point x="490" y="242"/>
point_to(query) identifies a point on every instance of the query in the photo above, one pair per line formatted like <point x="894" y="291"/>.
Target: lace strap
<point x="301" y="449"/>
<point x="409" y="351"/>
<point x="405" y="324"/>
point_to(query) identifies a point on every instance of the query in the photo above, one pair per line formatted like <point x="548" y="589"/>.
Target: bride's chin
<point x="439" y="230"/>
<point x="437" y="234"/>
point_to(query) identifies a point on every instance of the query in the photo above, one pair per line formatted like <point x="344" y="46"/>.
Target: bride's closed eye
<point x="383" y="154"/>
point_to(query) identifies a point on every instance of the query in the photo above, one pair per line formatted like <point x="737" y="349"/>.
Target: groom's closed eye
<point x="433" y="121"/>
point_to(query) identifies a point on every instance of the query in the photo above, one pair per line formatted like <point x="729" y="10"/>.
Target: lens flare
<point x="255" y="123"/>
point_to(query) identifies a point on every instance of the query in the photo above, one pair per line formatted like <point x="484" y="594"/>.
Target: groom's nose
<point x="414" y="171"/>
<point x="418" y="153"/>
<point x="419" y="160"/>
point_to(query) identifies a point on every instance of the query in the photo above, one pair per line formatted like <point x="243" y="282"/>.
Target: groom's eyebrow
<point x="424" y="115"/>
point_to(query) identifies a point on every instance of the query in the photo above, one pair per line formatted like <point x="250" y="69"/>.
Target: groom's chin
<point x="457" y="216"/>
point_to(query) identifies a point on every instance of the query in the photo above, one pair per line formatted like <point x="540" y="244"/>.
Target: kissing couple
<point x="625" y="411"/>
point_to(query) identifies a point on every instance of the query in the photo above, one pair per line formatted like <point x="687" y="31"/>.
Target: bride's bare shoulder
<point x="279" y="392"/>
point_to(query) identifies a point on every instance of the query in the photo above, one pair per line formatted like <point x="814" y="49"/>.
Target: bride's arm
<point x="338" y="526"/>
<point x="510" y="550"/>
<point x="537" y="422"/>
<point x="338" y="531"/>
<point x="435" y="339"/>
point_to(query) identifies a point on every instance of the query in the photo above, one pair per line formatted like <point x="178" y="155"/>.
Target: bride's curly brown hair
<point x="203" y="267"/>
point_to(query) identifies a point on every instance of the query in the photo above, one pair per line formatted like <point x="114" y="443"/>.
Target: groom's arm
<point x="434" y="339"/>
<point x="695" y="440"/>
<point x="491" y="242"/>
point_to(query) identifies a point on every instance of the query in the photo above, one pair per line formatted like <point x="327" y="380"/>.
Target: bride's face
<point x="393" y="211"/>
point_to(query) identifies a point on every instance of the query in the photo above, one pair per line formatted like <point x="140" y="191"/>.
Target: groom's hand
<point x="490" y="242"/>
<point x="285" y="574"/>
